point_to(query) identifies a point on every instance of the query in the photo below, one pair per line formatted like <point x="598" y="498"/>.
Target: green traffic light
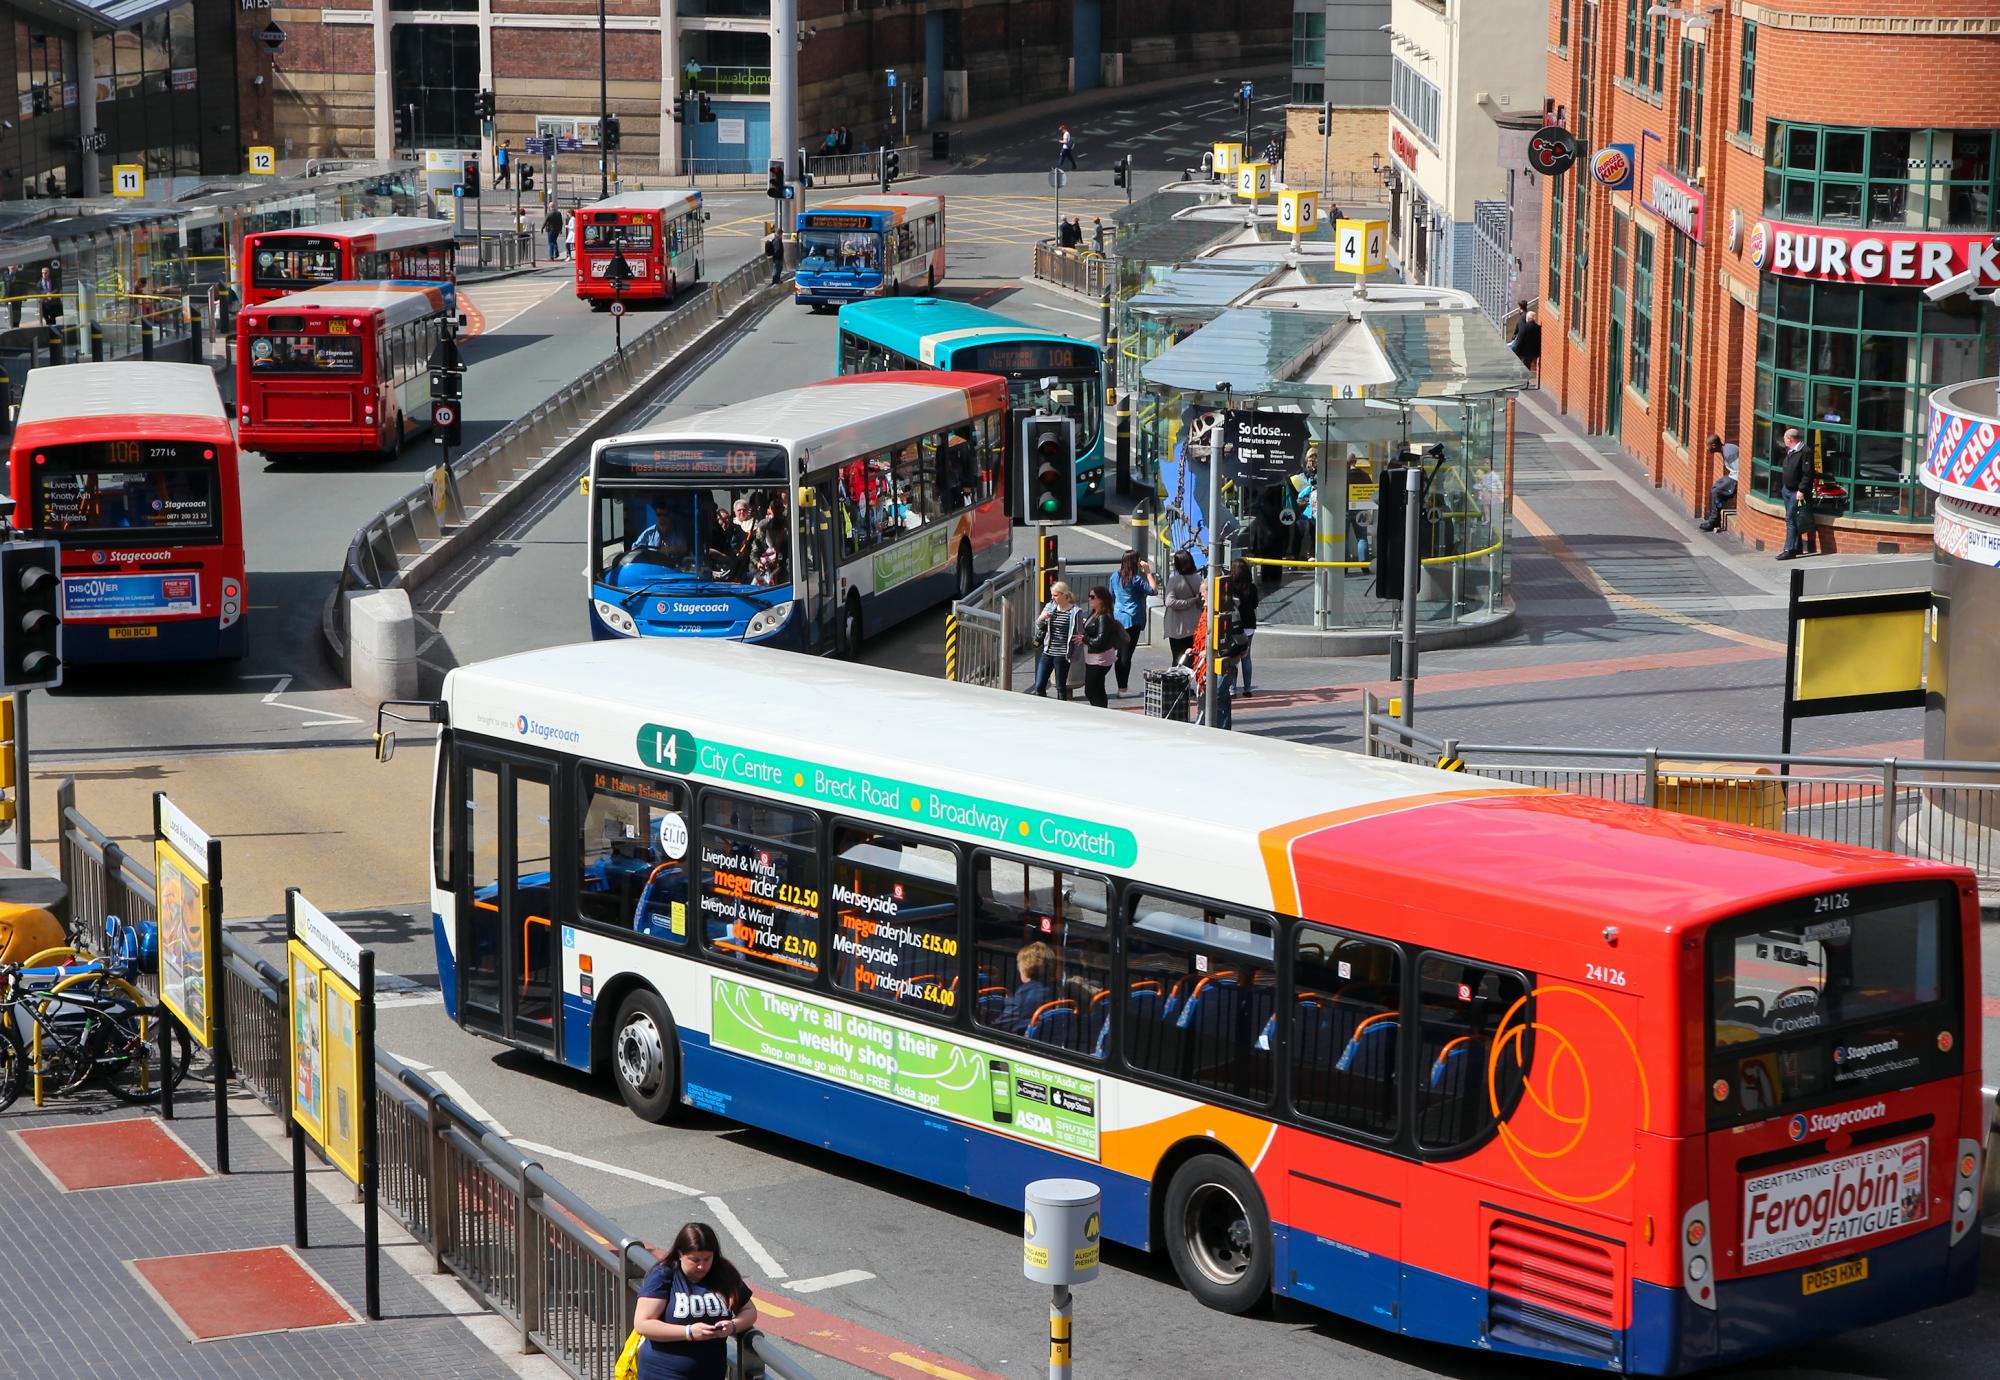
<point x="1051" y="505"/>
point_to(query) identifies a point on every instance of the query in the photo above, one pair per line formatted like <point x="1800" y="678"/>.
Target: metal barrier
<point x="994" y="623"/>
<point x="102" y="878"/>
<point x="564" y="1275"/>
<point x="488" y="252"/>
<point x="455" y="504"/>
<point x="848" y="169"/>
<point x="1925" y="809"/>
<point x="1082" y="271"/>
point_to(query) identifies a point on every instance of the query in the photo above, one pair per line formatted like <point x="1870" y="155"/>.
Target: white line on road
<point x="834" y="1281"/>
<point x="284" y="684"/>
<point x="1043" y="306"/>
<point x="455" y="1090"/>
<point x="667" y="1185"/>
<point x="752" y="1247"/>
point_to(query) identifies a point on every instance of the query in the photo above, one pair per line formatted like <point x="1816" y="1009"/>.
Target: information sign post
<point x="330" y="983"/>
<point x="1060" y="1246"/>
<point x="187" y="871"/>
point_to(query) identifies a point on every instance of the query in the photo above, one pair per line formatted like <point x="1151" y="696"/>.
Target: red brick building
<point x="1797" y="176"/>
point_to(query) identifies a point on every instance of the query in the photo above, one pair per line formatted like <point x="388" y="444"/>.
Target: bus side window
<point x="960" y="486"/>
<point x="993" y="454"/>
<point x="916" y="482"/>
<point x="1460" y="1006"/>
<point x="759" y="881"/>
<point x="633" y="854"/>
<point x="1200" y="989"/>
<point x="1345" y="1023"/>
<point x="857" y="532"/>
<point x="895" y="919"/>
<point x="1042" y="953"/>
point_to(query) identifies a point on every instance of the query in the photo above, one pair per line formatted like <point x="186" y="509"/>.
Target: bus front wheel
<point x="1218" y="1233"/>
<point x="850" y="629"/>
<point x="965" y="576"/>
<point x="644" y="1056"/>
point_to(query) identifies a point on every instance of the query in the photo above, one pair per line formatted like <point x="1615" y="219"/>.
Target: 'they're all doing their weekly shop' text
<point x="676" y="750"/>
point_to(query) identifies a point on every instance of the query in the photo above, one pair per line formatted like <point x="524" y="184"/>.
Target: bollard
<point x="55" y="346"/>
<point x="194" y="336"/>
<point x="96" y="343"/>
<point x="146" y="340"/>
<point x="1123" y="440"/>
<point x="951" y="646"/>
<point x="1060" y="1240"/>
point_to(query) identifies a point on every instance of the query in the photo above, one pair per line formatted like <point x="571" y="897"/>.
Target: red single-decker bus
<point x="659" y="233"/>
<point x="131" y="469"/>
<point x="277" y="263"/>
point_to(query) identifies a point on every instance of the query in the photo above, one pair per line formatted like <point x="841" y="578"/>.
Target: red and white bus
<point x="404" y="248"/>
<point x="660" y="235"/>
<point x="132" y="470"/>
<point x="342" y="370"/>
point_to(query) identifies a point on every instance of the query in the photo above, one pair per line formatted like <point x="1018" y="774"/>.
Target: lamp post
<point x="603" y="104"/>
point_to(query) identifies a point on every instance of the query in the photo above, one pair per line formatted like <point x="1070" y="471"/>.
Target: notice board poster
<point x="185" y="960"/>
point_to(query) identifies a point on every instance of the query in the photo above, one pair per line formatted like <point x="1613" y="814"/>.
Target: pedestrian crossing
<point x="489" y="306"/>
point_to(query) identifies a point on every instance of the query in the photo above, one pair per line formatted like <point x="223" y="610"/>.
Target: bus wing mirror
<point x="385" y="746"/>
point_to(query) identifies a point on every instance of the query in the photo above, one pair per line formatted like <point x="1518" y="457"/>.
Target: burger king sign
<point x="1612" y="166"/>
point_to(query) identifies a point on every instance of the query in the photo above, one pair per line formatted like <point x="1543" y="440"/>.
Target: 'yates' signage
<point x="1679" y="205"/>
<point x="1909" y="258"/>
<point x="1400" y="145"/>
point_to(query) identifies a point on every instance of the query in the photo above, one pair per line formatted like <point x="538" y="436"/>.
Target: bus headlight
<point x="615" y="618"/>
<point x="767" y="622"/>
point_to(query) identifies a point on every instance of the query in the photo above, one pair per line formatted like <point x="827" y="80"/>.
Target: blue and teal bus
<point x="1045" y="371"/>
<point x="868" y="246"/>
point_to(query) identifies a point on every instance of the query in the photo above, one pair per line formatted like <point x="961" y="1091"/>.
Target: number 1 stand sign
<point x="331" y="985"/>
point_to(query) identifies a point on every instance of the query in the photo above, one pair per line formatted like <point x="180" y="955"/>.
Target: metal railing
<point x="1944" y="811"/>
<point x="1082" y="271"/>
<point x="561" y="1273"/>
<point x="994" y="624"/>
<point x="865" y="165"/>
<point x="457" y="502"/>
<point x="491" y="252"/>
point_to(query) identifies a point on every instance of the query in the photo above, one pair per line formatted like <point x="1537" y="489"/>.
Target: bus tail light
<point x="1965" y="1189"/>
<point x="232" y="601"/>
<point x="1698" y="1257"/>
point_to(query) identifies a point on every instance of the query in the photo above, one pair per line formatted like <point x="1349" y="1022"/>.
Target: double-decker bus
<point x="806" y="519"/>
<point x="868" y="246"/>
<point x="1046" y="371"/>
<point x="277" y="263"/>
<point x="660" y="235"/>
<point x="1496" y="1067"/>
<point x="131" y="469"/>
<point x="343" y="370"/>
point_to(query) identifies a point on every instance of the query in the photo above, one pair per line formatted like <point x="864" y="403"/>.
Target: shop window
<point x="1562" y="24"/>
<point x="895" y="919"/>
<point x="1687" y="123"/>
<point x="1634" y="28"/>
<point x="1345" y="1022"/>
<point x="1579" y="247"/>
<point x="1556" y="195"/>
<point x="1200" y="993"/>
<point x="1639" y="371"/>
<point x="1920" y="178"/>
<point x="1461" y="1006"/>
<point x="1680" y="326"/>
<point x="1042" y="954"/>
<point x="759" y="886"/>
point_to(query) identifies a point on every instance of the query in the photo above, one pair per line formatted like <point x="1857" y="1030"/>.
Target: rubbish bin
<point x="941" y="143"/>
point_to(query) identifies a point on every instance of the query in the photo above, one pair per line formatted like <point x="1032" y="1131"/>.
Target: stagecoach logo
<point x="682" y="610"/>
<point x="1799" y="1127"/>
<point x="548" y="733"/>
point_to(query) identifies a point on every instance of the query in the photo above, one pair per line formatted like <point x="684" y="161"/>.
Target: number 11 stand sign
<point x="187" y="873"/>
<point x="331" y="985"/>
<point x="1060" y="1247"/>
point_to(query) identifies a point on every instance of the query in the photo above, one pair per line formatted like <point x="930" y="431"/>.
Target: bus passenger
<point x="1037" y="964"/>
<point x="688" y="1304"/>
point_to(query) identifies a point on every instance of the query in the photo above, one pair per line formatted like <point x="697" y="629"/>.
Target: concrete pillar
<point x="382" y="645"/>
<point x="86" y="107"/>
<point x="385" y="94"/>
<point x="671" y="135"/>
<point x="785" y="100"/>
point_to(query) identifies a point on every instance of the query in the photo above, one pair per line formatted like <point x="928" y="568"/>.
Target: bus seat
<point x="1146" y="1025"/>
<point x="1055" y="1023"/>
<point x="1379" y="1034"/>
<point x="1100" y="1017"/>
<point x="653" y="914"/>
<point x="988" y="1003"/>
<point x="1453" y="1050"/>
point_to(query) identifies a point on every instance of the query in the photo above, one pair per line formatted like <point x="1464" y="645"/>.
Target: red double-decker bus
<point x="343" y="370"/>
<point x="659" y="234"/>
<point x="277" y="263"/>
<point x="132" y="470"/>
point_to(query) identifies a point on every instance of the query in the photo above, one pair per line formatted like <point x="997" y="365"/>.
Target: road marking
<point x="601" y="1167"/>
<point x="750" y="1244"/>
<point x="327" y="716"/>
<point x="917" y="1363"/>
<point x="833" y="1281"/>
<point x="1043" y="306"/>
<point x="455" y="1090"/>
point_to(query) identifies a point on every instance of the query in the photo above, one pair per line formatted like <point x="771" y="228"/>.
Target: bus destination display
<point x="833" y="222"/>
<point x="1037" y="357"/>
<point x="693" y="460"/>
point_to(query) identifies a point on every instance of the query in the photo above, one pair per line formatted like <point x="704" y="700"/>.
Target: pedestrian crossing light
<point x="30" y="615"/>
<point x="707" y="108"/>
<point x="1048" y="471"/>
<point x="1325" y="117"/>
<point x="776" y="190"/>
<point x="469" y="175"/>
<point x="487" y="105"/>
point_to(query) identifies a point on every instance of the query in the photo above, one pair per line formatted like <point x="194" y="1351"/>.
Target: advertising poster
<point x="126" y="596"/>
<point x="1833" y="1202"/>
<point x="1016" y="1097"/>
<point x="184" y="956"/>
<point x="341" y="1074"/>
<point x="308" y="1055"/>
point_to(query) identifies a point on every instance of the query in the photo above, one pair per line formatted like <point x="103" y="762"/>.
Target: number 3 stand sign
<point x="187" y="871"/>
<point x="331" y="985"/>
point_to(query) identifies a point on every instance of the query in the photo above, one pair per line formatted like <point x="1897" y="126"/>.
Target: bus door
<point x="507" y="944"/>
<point x="818" y="588"/>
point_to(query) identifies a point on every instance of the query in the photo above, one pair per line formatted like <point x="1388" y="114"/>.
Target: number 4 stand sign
<point x="330" y="982"/>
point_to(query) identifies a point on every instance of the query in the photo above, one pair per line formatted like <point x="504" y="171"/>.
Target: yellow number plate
<point x="1833" y="1276"/>
<point x="136" y="630"/>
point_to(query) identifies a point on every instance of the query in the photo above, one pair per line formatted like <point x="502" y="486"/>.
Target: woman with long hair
<point x="1131" y="587"/>
<point x="688" y="1305"/>
<point x="1185" y="604"/>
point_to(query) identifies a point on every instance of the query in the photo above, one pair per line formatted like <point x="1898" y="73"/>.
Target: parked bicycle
<point x="90" y="1026"/>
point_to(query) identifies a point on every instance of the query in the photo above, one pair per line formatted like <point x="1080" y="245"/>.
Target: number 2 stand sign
<point x="330" y="981"/>
<point x="187" y="872"/>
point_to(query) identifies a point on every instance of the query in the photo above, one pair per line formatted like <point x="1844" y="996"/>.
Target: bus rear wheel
<point x="850" y="629"/>
<point x="965" y="576"/>
<point x="1218" y="1233"/>
<point x="645" y="1057"/>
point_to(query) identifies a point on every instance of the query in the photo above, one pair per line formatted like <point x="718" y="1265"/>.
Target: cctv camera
<point x="1953" y="286"/>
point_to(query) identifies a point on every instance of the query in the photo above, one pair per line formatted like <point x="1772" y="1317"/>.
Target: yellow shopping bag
<point x="628" y="1359"/>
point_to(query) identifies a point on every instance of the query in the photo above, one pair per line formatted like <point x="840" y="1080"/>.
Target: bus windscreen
<point x="1839" y="1000"/>
<point x="127" y="491"/>
<point x="295" y="262"/>
<point x="305" y="354"/>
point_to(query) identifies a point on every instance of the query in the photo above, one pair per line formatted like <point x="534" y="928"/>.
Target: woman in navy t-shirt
<point x="688" y="1304"/>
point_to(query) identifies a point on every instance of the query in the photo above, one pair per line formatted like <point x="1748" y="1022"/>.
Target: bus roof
<point x="668" y="199"/>
<point x="850" y="415"/>
<point x="920" y="327"/>
<point x="398" y="302"/>
<point x="121" y="391"/>
<point x="895" y="206"/>
<point x="386" y="232"/>
<point x="1234" y="816"/>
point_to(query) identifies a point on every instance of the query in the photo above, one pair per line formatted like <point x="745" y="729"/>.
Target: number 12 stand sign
<point x="330" y="981"/>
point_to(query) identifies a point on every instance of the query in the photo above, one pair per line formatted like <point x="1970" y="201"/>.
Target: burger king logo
<point x="1760" y="243"/>
<point x="1612" y="166"/>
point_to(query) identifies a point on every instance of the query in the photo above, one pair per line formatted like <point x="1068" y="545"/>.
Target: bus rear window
<point x="136" y="504"/>
<point x="295" y="262"/>
<point x="1845" y="990"/>
<point x="305" y="354"/>
<point x="633" y="237"/>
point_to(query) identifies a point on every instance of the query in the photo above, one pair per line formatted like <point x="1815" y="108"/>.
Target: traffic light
<point x="1392" y="501"/>
<point x="527" y="177"/>
<point x="30" y="615"/>
<point x="680" y="108"/>
<point x="402" y="125"/>
<point x="707" y="109"/>
<point x="1048" y="471"/>
<point x="611" y="133"/>
<point x="776" y="191"/>
<point x="1121" y="170"/>
<point x="1048" y="567"/>
<point x="470" y="177"/>
<point x="892" y="167"/>
<point x="487" y="105"/>
<point x="1243" y="98"/>
<point x="1325" y="117"/>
